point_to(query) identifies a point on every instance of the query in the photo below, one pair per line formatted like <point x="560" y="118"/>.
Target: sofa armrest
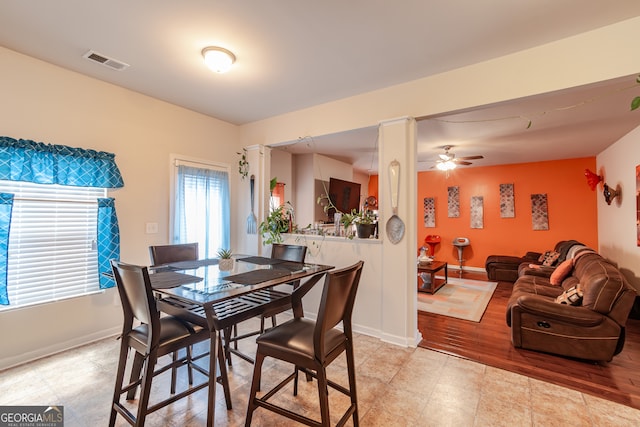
<point x="546" y="307"/>
<point x="530" y="269"/>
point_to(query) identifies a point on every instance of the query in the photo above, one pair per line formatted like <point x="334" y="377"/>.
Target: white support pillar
<point x="259" y="158"/>
<point x="398" y="141"/>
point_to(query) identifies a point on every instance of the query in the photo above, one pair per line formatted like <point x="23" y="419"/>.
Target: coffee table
<point x="430" y="269"/>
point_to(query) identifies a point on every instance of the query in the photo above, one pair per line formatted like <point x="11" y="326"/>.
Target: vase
<point x="226" y="264"/>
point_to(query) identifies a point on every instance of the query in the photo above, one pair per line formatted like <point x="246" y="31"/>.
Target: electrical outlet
<point x="152" y="227"/>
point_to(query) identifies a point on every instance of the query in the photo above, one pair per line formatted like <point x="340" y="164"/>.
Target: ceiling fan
<point x="448" y="161"/>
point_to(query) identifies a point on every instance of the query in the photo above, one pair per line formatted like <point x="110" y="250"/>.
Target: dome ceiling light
<point x="218" y="59"/>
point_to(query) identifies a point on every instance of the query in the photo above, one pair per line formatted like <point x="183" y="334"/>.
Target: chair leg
<point x="227" y="351"/>
<point x="351" y="371"/>
<point x="173" y="373"/>
<point x="323" y="395"/>
<point x="122" y="361"/>
<point x="189" y="364"/>
<point x="255" y="386"/>
<point x="136" y="368"/>
<point x="262" y="324"/>
<point x="235" y="335"/>
<point x="145" y="388"/>
<point x="223" y="375"/>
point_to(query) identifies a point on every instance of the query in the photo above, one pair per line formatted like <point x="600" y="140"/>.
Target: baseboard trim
<point x="11" y="362"/>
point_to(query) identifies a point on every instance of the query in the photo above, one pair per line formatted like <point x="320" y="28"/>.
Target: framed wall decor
<point x="429" y="212"/>
<point x="453" y="202"/>
<point x="477" y="212"/>
<point x="507" y="201"/>
<point x="539" y="212"/>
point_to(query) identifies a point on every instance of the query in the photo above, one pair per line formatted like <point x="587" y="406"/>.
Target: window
<point x="201" y="210"/>
<point x="52" y="247"/>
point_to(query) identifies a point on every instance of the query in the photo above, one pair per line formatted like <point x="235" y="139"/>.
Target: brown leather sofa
<point x="504" y="268"/>
<point x="593" y="329"/>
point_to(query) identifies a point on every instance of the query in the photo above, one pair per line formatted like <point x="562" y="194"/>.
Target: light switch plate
<point x="152" y="227"/>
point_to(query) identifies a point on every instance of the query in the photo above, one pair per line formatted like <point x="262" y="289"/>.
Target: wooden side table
<point x="430" y="269"/>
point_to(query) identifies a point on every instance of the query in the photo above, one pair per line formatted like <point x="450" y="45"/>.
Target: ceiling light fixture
<point x="446" y="165"/>
<point x="218" y="59"/>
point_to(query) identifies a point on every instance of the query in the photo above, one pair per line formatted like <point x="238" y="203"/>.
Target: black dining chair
<point x="155" y="337"/>
<point x="165" y="254"/>
<point x="312" y="346"/>
<point x="294" y="253"/>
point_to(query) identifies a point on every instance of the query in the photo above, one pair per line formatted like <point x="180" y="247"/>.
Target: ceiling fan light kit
<point x="448" y="161"/>
<point x="446" y="165"/>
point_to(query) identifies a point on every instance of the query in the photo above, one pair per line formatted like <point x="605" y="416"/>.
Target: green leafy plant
<point x="243" y="164"/>
<point x="364" y="217"/>
<point x="224" y="254"/>
<point x="635" y="103"/>
<point x="276" y="223"/>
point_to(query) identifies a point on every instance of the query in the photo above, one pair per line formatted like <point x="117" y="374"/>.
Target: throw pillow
<point x="544" y="256"/>
<point x="572" y="296"/>
<point x="550" y="259"/>
<point x="561" y="272"/>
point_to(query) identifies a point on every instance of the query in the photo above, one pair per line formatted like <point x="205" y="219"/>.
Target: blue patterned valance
<point x="25" y="160"/>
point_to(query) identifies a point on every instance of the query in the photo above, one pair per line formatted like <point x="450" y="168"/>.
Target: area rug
<point x="460" y="298"/>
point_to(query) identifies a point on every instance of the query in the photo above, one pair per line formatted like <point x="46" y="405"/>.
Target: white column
<point x="398" y="141"/>
<point x="259" y="158"/>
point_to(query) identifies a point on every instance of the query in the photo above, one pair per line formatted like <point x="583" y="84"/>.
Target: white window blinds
<point x="52" y="247"/>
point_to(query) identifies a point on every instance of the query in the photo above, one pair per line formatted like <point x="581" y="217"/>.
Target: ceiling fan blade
<point x="470" y="157"/>
<point x="462" y="162"/>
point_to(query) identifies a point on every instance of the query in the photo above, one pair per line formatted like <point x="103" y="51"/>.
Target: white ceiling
<point x="293" y="54"/>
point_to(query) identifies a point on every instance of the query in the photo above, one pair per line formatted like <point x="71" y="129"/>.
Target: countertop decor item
<point x="395" y="225"/>
<point x="226" y="262"/>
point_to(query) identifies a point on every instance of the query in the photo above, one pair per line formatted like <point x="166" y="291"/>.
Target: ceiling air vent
<point x="103" y="60"/>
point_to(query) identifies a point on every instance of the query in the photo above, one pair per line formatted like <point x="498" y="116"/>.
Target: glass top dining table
<point x="200" y="292"/>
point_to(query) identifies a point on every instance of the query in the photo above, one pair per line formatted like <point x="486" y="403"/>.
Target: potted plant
<point x="365" y="224"/>
<point x="280" y="220"/>
<point x="226" y="262"/>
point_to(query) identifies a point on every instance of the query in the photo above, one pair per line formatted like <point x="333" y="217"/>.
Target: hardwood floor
<point x="489" y="342"/>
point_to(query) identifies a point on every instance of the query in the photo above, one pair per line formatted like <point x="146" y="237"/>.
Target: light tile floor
<point x="396" y="387"/>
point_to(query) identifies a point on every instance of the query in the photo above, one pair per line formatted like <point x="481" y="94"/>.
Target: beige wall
<point x="590" y="57"/>
<point x="617" y="222"/>
<point x="49" y="104"/>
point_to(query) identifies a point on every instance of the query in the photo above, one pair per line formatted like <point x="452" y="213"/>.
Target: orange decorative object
<point x="432" y="240"/>
<point x="592" y="179"/>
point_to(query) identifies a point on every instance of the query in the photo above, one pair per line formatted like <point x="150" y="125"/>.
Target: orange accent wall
<point x="373" y="187"/>
<point x="572" y="209"/>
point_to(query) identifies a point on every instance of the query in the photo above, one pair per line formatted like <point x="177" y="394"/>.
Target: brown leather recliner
<point x="593" y="330"/>
<point x="504" y="268"/>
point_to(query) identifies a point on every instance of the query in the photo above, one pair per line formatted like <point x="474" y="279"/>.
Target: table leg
<point x="446" y="273"/>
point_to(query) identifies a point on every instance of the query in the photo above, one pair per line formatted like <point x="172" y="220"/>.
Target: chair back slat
<point x="136" y="295"/>
<point x="165" y="254"/>
<point x="336" y="304"/>
<point x="294" y="253"/>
